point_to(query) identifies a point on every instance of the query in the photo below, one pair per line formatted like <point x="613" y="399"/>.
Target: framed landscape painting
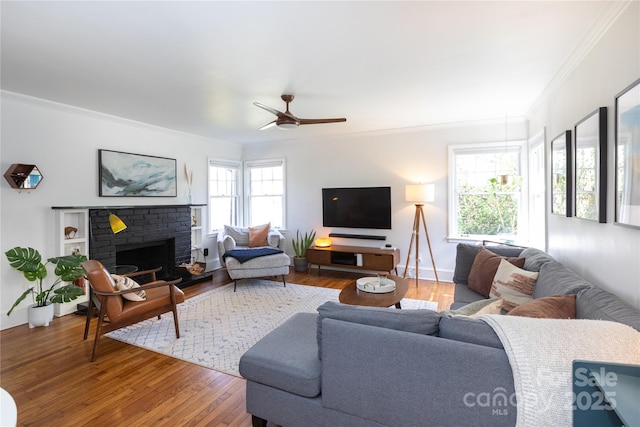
<point x="561" y="176"/>
<point x="136" y="175"/>
<point x="590" y="153"/>
<point x="628" y="156"/>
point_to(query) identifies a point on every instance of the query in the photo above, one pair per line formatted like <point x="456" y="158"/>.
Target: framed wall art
<point x="136" y="175"/>
<point x="628" y="156"/>
<point x="561" y="176"/>
<point x="590" y="168"/>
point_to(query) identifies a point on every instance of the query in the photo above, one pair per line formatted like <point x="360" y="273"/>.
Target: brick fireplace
<point x="155" y="236"/>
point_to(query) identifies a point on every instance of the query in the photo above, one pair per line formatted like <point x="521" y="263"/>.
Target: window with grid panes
<point x="486" y="191"/>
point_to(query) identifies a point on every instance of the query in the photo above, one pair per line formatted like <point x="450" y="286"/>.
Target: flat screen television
<point x="357" y="207"/>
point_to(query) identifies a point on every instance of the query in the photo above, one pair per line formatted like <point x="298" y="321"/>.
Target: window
<point x="486" y="183"/>
<point x="224" y="197"/>
<point x="264" y="193"/>
<point x="259" y="201"/>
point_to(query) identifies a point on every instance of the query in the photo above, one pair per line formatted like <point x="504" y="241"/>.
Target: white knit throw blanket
<point x="541" y="352"/>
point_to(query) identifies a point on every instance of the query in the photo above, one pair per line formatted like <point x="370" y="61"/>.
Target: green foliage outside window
<point x="491" y="209"/>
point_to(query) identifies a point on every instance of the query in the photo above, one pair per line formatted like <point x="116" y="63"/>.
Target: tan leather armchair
<point x="161" y="297"/>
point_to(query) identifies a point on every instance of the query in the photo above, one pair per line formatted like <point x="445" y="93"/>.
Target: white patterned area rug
<point x="217" y="327"/>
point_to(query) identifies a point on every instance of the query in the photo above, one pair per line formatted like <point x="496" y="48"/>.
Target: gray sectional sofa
<point x="362" y="366"/>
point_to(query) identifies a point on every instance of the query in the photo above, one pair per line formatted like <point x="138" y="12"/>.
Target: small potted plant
<point x="68" y="269"/>
<point x="300" y="245"/>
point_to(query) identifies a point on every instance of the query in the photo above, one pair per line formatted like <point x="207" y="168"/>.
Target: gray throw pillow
<point x="423" y="322"/>
<point x="239" y="234"/>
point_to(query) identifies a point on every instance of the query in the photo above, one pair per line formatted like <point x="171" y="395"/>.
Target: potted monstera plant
<point x="68" y="268"/>
<point x="300" y="245"/>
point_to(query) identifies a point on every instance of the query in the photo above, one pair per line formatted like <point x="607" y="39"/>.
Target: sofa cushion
<point x="598" y="304"/>
<point x="554" y="307"/>
<point x="466" y="254"/>
<point x="258" y="235"/>
<point x="464" y="295"/>
<point x="534" y="259"/>
<point x="239" y="234"/>
<point x="513" y="284"/>
<point x="484" y="269"/>
<point x="287" y="357"/>
<point x="423" y="322"/>
<point x="556" y="279"/>
<point x="470" y="330"/>
<point x="477" y="308"/>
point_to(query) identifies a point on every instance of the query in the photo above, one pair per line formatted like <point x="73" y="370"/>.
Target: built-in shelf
<point x="72" y="235"/>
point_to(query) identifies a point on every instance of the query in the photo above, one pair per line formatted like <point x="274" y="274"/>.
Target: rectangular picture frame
<point x="627" y="156"/>
<point x="590" y="167"/>
<point x="136" y="175"/>
<point x="561" y="175"/>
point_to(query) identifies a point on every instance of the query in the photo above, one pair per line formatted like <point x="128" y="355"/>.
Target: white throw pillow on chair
<point x="124" y="283"/>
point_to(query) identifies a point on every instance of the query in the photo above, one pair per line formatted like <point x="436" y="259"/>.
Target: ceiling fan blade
<point x="269" y="109"/>
<point x="320" y="121"/>
<point x="268" y="125"/>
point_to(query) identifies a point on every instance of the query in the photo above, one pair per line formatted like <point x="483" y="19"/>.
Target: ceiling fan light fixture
<point x="287" y="125"/>
<point x="288" y="121"/>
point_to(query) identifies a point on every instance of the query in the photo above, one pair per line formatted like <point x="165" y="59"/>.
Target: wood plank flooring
<point x="48" y="373"/>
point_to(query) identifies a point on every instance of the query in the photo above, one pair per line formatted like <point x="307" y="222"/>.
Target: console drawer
<point x="381" y="262"/>
<point x="318" y="257"/>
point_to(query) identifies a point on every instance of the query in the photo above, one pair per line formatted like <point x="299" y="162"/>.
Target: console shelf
<point x="355" y="257"/>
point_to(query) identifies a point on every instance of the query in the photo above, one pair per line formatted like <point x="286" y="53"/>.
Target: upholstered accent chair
<point x="237" y="238"/>
<point x="115" y="311"/>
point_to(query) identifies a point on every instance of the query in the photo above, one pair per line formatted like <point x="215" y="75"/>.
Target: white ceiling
<point x="198" y="66"/>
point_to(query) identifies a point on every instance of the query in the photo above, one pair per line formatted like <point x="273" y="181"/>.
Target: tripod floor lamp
<point x="419" y="194"/>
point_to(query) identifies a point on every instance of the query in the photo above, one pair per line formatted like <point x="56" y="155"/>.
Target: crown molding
<point x="79" y="111"/>
<point x="610" y="14"/>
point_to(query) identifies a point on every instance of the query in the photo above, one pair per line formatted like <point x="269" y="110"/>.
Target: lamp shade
<point x="420" y="193"/>
<point x="117" y="225"/>
<point x="323" y="242"/>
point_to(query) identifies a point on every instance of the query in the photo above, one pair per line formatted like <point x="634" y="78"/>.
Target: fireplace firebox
<point x="149" y="255"/>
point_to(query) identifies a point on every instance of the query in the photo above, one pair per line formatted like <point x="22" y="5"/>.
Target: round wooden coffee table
<point x="354" y="296"/>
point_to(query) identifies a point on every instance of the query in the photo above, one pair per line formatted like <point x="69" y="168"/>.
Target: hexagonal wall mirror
<point x="23" y="177"/>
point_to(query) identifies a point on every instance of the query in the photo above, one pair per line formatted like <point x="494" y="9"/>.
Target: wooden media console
<point x="356" y="257"/>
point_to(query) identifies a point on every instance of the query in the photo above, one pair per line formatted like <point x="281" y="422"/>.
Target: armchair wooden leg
<point x="175" y="320"/>
<point x="284" y="281"/>
<point x="98" y="332"/>
<point x="89" y="314"/>
<point x="174" y="308"/>
<point x="235" y="283"/>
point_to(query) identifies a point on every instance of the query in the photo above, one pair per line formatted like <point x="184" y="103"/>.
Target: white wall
<point x="64" y="141"/>
<point x="380" y="159"/>
<point x="606" y="254"/>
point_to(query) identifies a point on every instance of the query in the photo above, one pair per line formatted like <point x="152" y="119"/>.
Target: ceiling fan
<point x="287" y="120"/>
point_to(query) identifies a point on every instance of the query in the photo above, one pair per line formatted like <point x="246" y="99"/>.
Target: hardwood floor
<point x="48" y="373"/>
